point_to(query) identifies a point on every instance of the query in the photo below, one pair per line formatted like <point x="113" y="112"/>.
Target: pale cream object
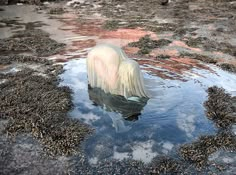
<point x="110" y="69"/>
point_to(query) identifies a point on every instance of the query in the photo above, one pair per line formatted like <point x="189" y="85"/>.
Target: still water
<point x="145" y="128"/>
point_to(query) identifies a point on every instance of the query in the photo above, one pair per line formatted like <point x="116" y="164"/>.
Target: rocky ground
<point x="36" y="134"/>
<point x="173" y="34"/>
<point x="34" y="121"/>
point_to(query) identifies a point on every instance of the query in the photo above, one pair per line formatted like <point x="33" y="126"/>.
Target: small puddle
<point x="141" y="130"/>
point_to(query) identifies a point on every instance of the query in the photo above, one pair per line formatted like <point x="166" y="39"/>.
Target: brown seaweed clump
<point x="30" y="40"/>
<point x="198" y="151"/>
<point x="181" y="31"/>
<point x="210" y="45"/>
<point x="219" y="107"/>
<point x="146" y="44"/>
<point x="202" y="58"/>
<point x="111" y="25"/>
<point x="5" y="60"/>
<point x="225" y="66"/>
<point x="228" y="67"/>
<point x="162" y="27"/>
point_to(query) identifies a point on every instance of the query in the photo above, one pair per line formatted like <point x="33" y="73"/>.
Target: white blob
<point x="110" y="69"/>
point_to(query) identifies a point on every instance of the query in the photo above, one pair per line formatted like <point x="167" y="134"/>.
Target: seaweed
<point x="111" y="25"/>
<point x="146" y="44"/>
<point x="219" y="107"/>
<point x="198" y="152"/>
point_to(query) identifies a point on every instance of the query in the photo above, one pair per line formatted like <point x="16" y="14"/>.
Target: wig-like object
<point x="110" y="69"/>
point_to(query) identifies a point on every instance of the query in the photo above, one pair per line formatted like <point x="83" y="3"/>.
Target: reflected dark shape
<point x="130" y="110"/>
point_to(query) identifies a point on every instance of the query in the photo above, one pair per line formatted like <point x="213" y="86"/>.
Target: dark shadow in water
<point x="130" y="110"/>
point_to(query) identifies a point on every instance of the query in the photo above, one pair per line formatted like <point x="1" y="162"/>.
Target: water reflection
<point x="129" y="109"/>
<point x="143" y="129"/>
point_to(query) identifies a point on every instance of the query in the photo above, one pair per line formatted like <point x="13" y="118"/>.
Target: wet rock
<point x="24" y="156"/>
